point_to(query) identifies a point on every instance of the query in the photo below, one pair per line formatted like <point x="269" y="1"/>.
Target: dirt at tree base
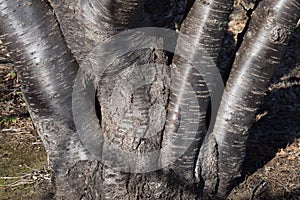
<point x="278" y="179"/>
<point x="24" y="172"/>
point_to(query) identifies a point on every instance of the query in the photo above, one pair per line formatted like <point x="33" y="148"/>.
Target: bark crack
<point x="249" y="12"/>
<point x="61" y="31"/>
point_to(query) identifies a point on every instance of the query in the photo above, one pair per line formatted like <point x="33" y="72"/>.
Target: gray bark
<point x="51" y="41"/>
<point x="196" y="73"/>
<point x="255" y="64"/>
<point x="47" y="71"/>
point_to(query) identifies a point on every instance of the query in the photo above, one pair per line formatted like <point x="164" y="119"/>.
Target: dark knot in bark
<point x="278" y="35"/>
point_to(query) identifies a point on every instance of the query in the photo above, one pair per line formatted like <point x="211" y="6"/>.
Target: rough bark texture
<point x="263" y="46"/>
<point x="142" y="104"/>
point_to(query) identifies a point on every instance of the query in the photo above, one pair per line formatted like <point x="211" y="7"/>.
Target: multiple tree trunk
<point x="256" y="61"/>
<point x="49" y="42"/>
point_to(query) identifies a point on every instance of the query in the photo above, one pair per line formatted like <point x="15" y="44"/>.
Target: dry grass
<point x="278" y="179"/>
<point x="23" y="162"/>
<point x="272" y="164"/>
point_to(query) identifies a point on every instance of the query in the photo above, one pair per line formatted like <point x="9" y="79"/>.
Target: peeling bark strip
<point x="256" y="61"/>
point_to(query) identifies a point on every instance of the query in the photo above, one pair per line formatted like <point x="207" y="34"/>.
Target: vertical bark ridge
<point x="256" y="61"/>
<point x="47" y="71"/>
<point x="111" y="190"/>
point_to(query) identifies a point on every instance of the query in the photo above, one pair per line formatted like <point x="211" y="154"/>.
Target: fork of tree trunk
<point x="49" y="41"/>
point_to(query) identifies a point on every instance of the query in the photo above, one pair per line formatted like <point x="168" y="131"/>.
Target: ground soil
<point x="271" y="170"/>
<point x="23" y="162"/>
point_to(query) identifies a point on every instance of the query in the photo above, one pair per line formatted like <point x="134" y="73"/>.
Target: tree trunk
<point x="47" y="71"/>
<point x="137" y="103"/>
<point x="194" y="72"/>
<point x="32" y="33"/>
<point x="256" y="61"/>
<point x="85" y="24"/>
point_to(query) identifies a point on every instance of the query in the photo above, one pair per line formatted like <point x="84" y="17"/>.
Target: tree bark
<point x="141" y="104"/>
<point x="32" y="33"/>
<point x="47" y="71"/>
<point x="256" y="61"/>
<point x="88" y="23"/>
<point x="194" y="71"/>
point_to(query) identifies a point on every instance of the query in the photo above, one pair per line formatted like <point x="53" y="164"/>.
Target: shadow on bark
<point x="278" y="119"/>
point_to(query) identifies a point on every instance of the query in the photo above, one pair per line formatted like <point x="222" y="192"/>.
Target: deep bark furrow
<point x="86" y="24"/>
<point x="132" y="100"/>
<point x="151" y="116"/>
<point x="257" y="59"/>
